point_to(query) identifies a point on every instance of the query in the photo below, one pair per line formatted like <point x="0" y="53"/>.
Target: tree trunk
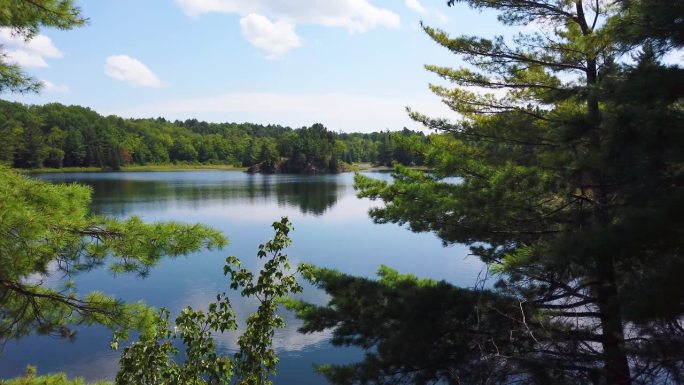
<point x="613" y="341"/>
<point x="616" y="366"/>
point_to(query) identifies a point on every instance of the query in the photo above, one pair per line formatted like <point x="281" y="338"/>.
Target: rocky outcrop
<point x="288" y="167"/>
<point x="265" y="168"/>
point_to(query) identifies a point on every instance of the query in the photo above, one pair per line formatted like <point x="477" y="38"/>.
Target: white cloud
<point x="31" y="53"/>
<point x="440" y="16"/>
<point x="127" y="69"/>
<point x="57" y="88"/>
<point x="354" y="15"/>
<point x="274" y="38"/>
<point x="416" y="6"/>
<point x="338" y="111"/>
<point x="25" y="59"/>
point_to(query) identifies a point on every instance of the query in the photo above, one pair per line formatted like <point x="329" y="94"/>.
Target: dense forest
<point x="55" y="136"/>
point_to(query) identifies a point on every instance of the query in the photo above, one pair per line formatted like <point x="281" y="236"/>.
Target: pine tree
<point x="569" y="164"/>
<point x="46" y="229"/>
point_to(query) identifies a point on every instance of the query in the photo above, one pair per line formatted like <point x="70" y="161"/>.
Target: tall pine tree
<point x="568" y="154"/>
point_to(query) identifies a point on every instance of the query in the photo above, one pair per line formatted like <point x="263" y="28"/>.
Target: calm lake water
<point x="332" y="229"/>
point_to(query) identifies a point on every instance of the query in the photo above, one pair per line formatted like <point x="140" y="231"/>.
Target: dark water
<point x="332" y="229"/>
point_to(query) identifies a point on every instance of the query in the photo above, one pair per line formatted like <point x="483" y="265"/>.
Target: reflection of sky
<point x="50" y="278"/>
<point x="285" y="340"/>
<point x="332" y="229"/>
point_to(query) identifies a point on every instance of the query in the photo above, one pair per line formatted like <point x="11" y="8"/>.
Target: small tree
<point x="152" y="359"/>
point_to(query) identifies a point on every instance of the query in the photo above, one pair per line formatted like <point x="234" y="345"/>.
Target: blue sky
<point x="352" y="65"/>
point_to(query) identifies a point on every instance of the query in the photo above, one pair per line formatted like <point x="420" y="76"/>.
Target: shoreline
<point x="135" y="168"/>
<point x="182" y="167"/>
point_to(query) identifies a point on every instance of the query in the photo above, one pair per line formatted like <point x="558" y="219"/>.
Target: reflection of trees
<point x="311" y="194"/>
<point x="313" y="198"/>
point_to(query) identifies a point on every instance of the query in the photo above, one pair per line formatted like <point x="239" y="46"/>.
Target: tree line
<point x="56" y="136"/>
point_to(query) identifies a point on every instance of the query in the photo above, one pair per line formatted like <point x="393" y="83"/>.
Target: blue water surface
<point x="332" y="229"/>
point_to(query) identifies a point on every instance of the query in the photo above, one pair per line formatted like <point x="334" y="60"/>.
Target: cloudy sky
<point x="353" y="65"/>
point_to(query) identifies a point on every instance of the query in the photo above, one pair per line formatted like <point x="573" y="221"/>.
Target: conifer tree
<point x="568" y="152"/>
<point x="46" y="229"/>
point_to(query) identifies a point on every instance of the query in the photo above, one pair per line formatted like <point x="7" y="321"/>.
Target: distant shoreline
<point x="181" y="167"/>
<point x="141" y="168"/>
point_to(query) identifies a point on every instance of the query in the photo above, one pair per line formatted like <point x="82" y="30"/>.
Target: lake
<point x="332" y="229"/>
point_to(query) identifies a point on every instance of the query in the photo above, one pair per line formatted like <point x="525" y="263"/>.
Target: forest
<point x="564" y="177"/>
<point x="56" y="136"/>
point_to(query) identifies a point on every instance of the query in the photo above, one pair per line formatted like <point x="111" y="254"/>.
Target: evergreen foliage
<point x="47" y="229"/>
<point x="415" y="331"/>
<point x="565" y="177"/>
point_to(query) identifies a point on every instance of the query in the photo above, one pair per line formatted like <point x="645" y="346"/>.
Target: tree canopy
<point x="56" y="136"/>
<point x="563" y="172"/>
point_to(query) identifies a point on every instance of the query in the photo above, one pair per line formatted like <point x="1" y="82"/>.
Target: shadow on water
<point x="116" y="193"/>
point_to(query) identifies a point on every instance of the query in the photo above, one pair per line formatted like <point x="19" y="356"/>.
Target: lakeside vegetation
<point x="191" y="167"/>
<point x="141" y="168"/>
<point x="54" y="136"/>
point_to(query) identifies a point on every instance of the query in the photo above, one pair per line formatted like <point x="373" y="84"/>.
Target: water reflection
<point x="332" y="229"/>
<point x="118" y="193"/>
<point x="284" y="340"/>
